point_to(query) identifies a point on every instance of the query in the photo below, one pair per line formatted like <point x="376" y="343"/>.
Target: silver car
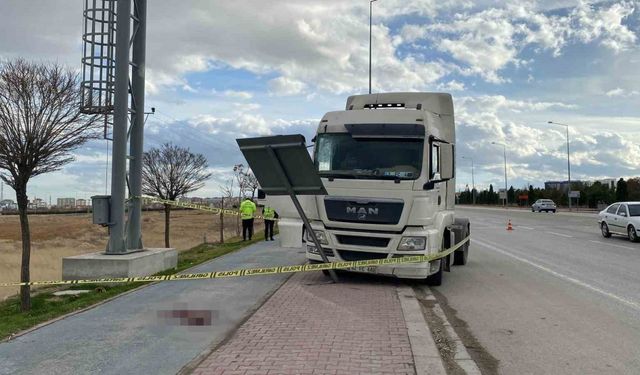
<point x="621" y="218"/>
<point x="546" y="205"/>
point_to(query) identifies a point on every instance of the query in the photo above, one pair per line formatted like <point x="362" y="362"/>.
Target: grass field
<point x="57" y="236"/>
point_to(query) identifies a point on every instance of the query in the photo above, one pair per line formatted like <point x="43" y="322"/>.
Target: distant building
<point x="556" y="185"/>
<point x="37" y="203"/>
<point x="610" y="182"/>
<point x="66" y="203"/>
<point x="8" y="204"/>
<point x="211" y="202"/>
<point x="81" y="203"/>
<point x="564" y="185"/>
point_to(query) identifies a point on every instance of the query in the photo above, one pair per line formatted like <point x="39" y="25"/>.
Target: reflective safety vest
<point x="247" y="209"/>
<point x="268" y="213"/>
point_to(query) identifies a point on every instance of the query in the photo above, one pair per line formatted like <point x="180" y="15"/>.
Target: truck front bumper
<point x="402" y="271"/>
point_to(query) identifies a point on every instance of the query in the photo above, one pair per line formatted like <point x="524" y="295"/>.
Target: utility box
<point x="100" y="205"/>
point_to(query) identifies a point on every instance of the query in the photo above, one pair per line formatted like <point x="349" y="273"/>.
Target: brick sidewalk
<point x="311" y="327"/>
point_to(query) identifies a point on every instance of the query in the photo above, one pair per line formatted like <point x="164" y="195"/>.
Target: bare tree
<point x="238" y="171"/>
<point x="251" y="183"/>
<point x="40" y="123"/>
<point x="170" y="172"/>
<point x="227" y="195"/>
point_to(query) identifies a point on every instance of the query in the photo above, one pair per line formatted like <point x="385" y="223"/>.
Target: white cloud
<point x="538" y="153"/>
<point x="495" y="103"/>
<point x="604" y="24"/>
<point x="238" y="94"/>
<point x="452" y="85"/>
<point x="488" y="41"/>
<point x="240" y="126"/>
<point x="286" y="86"/>
<point x="619" y="92"/>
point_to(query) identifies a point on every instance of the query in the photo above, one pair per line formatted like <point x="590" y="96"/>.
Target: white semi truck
<point x="387" y="163"/>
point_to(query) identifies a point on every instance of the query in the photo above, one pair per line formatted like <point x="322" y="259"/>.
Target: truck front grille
<point x="349" y="255"/>
<point x="363" y="210"/>
<point x="362" y="241"/>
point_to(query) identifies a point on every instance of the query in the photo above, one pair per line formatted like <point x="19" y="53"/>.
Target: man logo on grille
<point x="362" y="212"/>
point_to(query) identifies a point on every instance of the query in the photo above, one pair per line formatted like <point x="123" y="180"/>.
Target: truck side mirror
<point x="446" y="162"/>
<point x="261" y="194"/>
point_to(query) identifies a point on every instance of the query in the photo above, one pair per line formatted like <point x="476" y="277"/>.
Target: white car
<point x="546" y="205"/>
<point x="621" y="218"/>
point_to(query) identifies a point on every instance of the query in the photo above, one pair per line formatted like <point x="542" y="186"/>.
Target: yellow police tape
<point x="200" y="207"/>
<point x="257" y="271"/>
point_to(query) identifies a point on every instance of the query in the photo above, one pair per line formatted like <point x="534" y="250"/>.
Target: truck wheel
<point x="460" y="256"/>
<point x="326" y="272"/>
<point x="436" y="278"/>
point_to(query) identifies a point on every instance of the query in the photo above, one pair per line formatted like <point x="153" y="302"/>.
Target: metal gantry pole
<point x="120" y="123"/>
<point x="136" y="145"/>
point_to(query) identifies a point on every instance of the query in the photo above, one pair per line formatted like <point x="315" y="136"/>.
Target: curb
<point x="426" y="355"/>
<point x="461" y="356"/>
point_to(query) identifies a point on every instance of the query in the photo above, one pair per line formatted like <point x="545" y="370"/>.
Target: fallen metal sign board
<point x="282" y="166"/>
<point x="291" y="154"/>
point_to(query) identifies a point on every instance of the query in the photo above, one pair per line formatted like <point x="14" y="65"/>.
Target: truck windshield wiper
<point x="339" y="174"/>
<point x="364" y="176"/>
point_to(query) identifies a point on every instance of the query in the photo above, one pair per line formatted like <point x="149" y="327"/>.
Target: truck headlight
<point x="320" y="235"/>
<point x="412" y="243"/>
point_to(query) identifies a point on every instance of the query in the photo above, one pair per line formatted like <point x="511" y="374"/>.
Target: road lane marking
<point x="560" y="234"/>
<point x="523" y="227"/>
<point x="564" y="277"/>
<point x="611" y="244"/>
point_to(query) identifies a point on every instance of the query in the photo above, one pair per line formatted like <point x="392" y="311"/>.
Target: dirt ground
<point x="57" y="236"/>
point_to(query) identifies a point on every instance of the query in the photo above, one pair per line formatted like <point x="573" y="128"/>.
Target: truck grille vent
<point x="369" y="211"/>
<point x="349" y="255"/>
<point x="363" y="241"/>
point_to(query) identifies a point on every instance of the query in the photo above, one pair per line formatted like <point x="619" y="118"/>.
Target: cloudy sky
<point x="219" y="70"/>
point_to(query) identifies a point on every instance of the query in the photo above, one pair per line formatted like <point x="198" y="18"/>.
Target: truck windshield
<point x="341" y="156"/>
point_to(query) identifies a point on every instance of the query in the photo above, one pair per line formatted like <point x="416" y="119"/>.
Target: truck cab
<point x="387" y="163"/>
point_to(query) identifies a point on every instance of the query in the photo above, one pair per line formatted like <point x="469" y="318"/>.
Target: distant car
<point x="621" y="218"/>
<point x="546" y="205"/>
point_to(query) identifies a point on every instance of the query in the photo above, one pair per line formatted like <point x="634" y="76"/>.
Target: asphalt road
<point x="132" y="334"/>
<point x="551" y="297"/>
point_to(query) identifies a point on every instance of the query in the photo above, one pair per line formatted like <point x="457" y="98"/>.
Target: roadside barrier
<point x="256" y="271"/>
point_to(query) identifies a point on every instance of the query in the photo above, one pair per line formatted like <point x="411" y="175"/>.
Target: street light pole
<point x="370" y="26"/>
<point x="504" y="151"/>
<point x="473" y="181"/>
<point x="568" y="161"/>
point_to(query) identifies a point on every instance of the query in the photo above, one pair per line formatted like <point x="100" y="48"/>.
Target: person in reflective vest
<point x="247" y="209"/>
<point x="269" y="215"/>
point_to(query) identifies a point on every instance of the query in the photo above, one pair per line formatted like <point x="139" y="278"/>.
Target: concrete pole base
<point x="144" y="262"/>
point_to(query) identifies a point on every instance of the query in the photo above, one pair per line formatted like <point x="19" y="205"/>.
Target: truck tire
<point x="436" y="278"/>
